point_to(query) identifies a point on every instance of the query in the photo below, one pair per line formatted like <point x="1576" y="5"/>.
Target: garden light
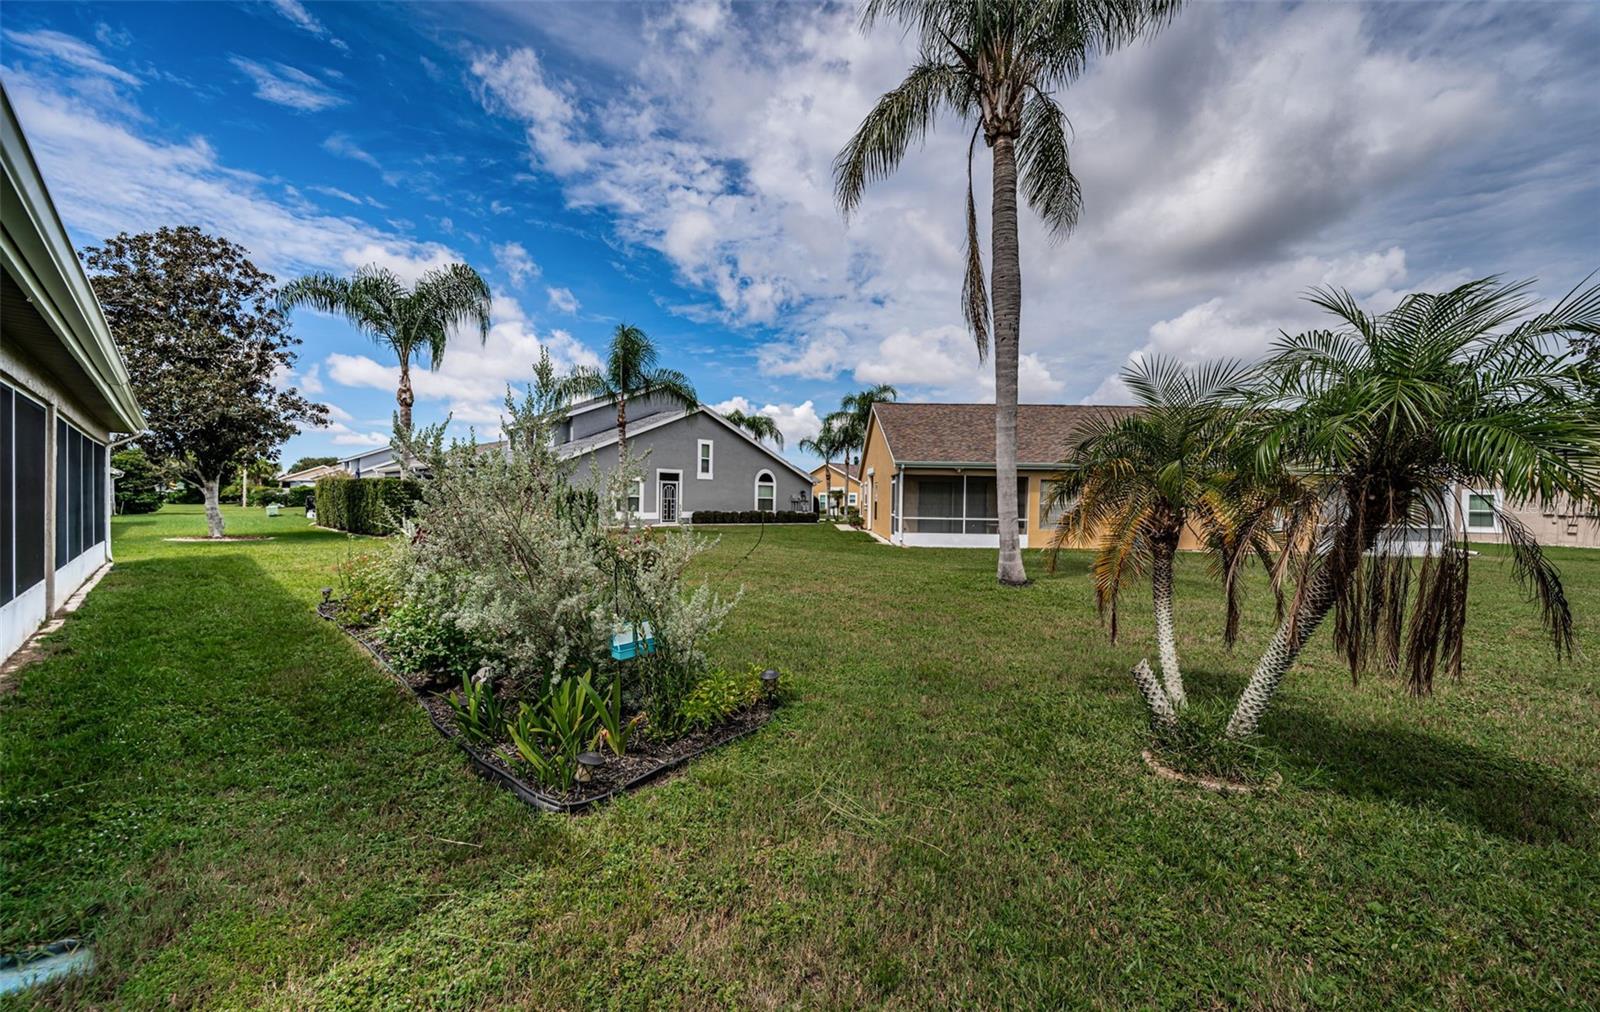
<point x="588" y="762"/>
<point x="769" y="682"/>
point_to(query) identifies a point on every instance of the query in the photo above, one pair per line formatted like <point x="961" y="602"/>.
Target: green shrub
<point x="366" y="587"/>
<point x="720" y="695"/>
<point x="139" y="488"/>
<point x="549" y="735"/>
<point x="421" y="643"/>
<point x="187" y="494"/>
<point x="478" y="712"/>
<point x="751" y="517"/>
<point x="365" y="505"/>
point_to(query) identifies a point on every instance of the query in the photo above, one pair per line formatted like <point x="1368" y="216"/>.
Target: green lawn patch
<point x="236" y="807"/>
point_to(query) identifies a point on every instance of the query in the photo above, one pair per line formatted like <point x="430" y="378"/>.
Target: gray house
<point x="692" y="460"/>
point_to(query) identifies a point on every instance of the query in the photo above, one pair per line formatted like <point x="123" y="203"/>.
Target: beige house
<point x="1566" y="523"/>
<point x="846" y="483"/>
<point x="64" y="399"/>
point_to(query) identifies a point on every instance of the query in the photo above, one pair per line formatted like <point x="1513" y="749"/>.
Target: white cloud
<point x="305" y="20"/>
<point x="562" y="300"/>
<point x="71" y="51"/>
<point x="795" y="421"/>
<point x="409" y="261"/>
<point x="515" y="262"/>
<point x="288" y="86"/>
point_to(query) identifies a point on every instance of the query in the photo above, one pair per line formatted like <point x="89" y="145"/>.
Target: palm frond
<point x="1044" y="169"/>
<point x="902" y="117"/>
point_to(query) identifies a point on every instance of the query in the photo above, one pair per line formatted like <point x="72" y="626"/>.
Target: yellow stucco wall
<point x="819" y="485"/>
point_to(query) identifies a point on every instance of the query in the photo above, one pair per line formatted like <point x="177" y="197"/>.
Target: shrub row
<point x="298" y="497"/>
<point x="752" y="517"/>
<point x="365" y="505"/>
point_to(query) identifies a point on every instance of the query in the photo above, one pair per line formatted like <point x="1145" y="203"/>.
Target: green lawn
<point x="240" y="810"/>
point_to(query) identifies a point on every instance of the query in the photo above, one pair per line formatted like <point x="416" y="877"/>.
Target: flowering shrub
<point x="367" y="588"/>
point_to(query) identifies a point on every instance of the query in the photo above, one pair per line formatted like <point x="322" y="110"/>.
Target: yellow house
<point x="846" y="482"/>
<point x="928" y="478"/>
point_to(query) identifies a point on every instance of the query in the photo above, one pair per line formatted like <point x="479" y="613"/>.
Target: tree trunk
<point x="1280" y="655"/>
<point x="827" y="476"/>
<point x="244" y="487"/>
<point x="1161" y="713"/>
<point x="1166" y="633"/>
<point x="404" y="398"/>
<point x="213" y="509"/>
<point x="622" y="462"/>
<point x="1006" y="289"/>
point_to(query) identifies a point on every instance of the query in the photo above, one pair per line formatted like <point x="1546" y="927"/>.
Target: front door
<point x="667" y="495"/>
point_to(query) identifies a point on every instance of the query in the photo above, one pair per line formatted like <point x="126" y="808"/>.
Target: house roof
<point x="853" y="471"/>
<point x="963" y="434"/>
<point x="315" y="471"/>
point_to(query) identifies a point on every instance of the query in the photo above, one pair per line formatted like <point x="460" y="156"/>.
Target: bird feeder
<point x="588" y="763"/>
<point x="630" y="639"/>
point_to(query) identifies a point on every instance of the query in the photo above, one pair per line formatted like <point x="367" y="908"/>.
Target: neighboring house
<point x="307" y="476"/>
<point x="1565" y="523"/>
<point x="378" y="462"/>
<point x="691" y="460"/>
<point x="64" y="396"/>
<point x="846" y="487"/>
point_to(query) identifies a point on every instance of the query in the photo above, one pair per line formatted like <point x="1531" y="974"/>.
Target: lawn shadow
<point x="1521" y="800"/>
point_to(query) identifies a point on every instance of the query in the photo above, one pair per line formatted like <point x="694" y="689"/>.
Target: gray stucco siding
<point x="735" y="461"/>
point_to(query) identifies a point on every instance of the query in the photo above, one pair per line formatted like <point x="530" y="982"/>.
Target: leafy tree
<point x="204" y="341"/>
<point x="1386" y="417"/>
<point x="631" y="371"/>
<point x="757" y="425"/>
<point x="995" y="64"/>
<point x="826" y="444"/>
<point x="1133" y="482"/>
<point x="138" y="490"/>
<point x="855" y="411"/>
<point x="307" y="463"/>
<point x="411" y="321"/>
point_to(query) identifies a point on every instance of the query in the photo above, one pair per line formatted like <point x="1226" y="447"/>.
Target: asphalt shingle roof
<point x="964" y="433"/>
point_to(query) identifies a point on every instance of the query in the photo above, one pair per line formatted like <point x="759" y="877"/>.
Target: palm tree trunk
<point x="827" y="476"/>
<point x="1166" y="635"/>
<point x="622" y="462"/>
<point x="1292" y="634"/>
<point x="404" y="397"/>
<point x="1161" y="712"/>
<point x="244" y="487"/>
<point x="212" y="486"/>
<point x="1006" y="286"/>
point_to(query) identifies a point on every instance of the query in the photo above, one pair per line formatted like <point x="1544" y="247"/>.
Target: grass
<point x="240" y="811"/>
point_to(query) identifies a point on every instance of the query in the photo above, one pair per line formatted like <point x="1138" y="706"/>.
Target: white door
<point x="667" y="494"/>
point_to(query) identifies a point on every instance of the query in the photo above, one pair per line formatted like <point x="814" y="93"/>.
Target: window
<point x="80" y="493"/>
<point x="1480" y="512"/>
<point x="766" y="492"/>
<point x="1049" y="515"/>
<point x="852" y="500"/>
<point x="22" y="502"/>
<point x="703" y="468"/>
<point x="636" y="499"/>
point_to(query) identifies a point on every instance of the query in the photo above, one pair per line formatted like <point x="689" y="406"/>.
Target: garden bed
<point x="645" y="761"/>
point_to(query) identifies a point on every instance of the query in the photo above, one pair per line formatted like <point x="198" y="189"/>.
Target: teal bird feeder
<point x="630" y="639"/>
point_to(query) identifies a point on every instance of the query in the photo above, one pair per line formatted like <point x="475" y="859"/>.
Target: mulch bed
<point x="646" y="759"/>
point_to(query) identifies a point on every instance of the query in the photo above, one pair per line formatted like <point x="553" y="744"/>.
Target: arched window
<point x="766" y="492"/>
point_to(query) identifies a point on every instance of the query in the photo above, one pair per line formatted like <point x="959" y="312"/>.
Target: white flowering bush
<point x="529" y="568"/>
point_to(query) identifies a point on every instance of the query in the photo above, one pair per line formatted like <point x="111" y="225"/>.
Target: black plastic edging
<point x="489" y="771"/>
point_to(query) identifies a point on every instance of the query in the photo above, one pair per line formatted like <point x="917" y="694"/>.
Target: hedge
<point x="364" y="505"/>
<point x="298" y="497"/>
<point x="751" y="517"/>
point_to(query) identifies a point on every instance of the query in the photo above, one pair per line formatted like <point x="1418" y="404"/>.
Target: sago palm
<point x="413" y="321"/>
<point x="1386" y="418"/>
<point x="758" y="426"/>
<point x="995" y="64"/>
<point x="631" y="371"/>
<point x="1133" y="482"/>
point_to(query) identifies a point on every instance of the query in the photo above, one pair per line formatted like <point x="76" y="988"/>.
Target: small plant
<point x="478" y="712"/>
<point x="1192" y="743"/>
<point x="720" y="695"/>
<point x="614" y="732"/>
<point x="550" y="734"/>
<point x="367" y="588"/>
<point x="421" y="643"/>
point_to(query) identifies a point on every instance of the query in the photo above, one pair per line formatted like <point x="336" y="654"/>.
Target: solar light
<point x="588" y="762"/>
<point x="327" y="592"/>
<point x="769" y="682"/>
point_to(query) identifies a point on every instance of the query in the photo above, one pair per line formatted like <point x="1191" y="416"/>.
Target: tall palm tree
<point x="630" y="372"/>
<point x="1387" y="417"/>
<point x="759" y="426"/>
<point x="995" y="63"/>
<point x="413" y="321"/>
<point x="1133" y="482"/>
<point x="855" y="411"/>
<point x="825" y="444"/>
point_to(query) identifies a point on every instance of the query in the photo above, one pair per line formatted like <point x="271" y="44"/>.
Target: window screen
<point x="8" y="499"/>
<point x="28" y="474"/>
<point x="63" y="483"/>
<point x="99" y="494"/>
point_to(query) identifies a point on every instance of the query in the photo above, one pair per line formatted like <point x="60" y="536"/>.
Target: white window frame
<point x="1493" y="495"/>
<point x="854" y="499"/>
<point x="772" y="481"/>
<point x="704" y="459"/>
<point x="675" y="476"/>
<point x="635" y="512"/>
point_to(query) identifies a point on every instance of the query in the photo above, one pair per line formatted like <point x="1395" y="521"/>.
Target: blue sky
<point x="668" y="165"/>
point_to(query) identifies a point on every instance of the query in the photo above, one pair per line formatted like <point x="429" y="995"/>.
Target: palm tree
<point x="855" y="411"/>
<point x="759" y="426"/>
<point x="826" y="444"/>
<point x="1387" y="417"/>
<point x="1133" y="482"/>
<point x="412" y="321"/>
<point x="995" y="64"/>
<point x="630" y="372"/>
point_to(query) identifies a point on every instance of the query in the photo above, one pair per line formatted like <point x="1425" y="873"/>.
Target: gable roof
<point x="589" y="444"/>
<point x="963" y="434"/>
<point x="853" y="472"/>
<point x="315" y="471"/>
